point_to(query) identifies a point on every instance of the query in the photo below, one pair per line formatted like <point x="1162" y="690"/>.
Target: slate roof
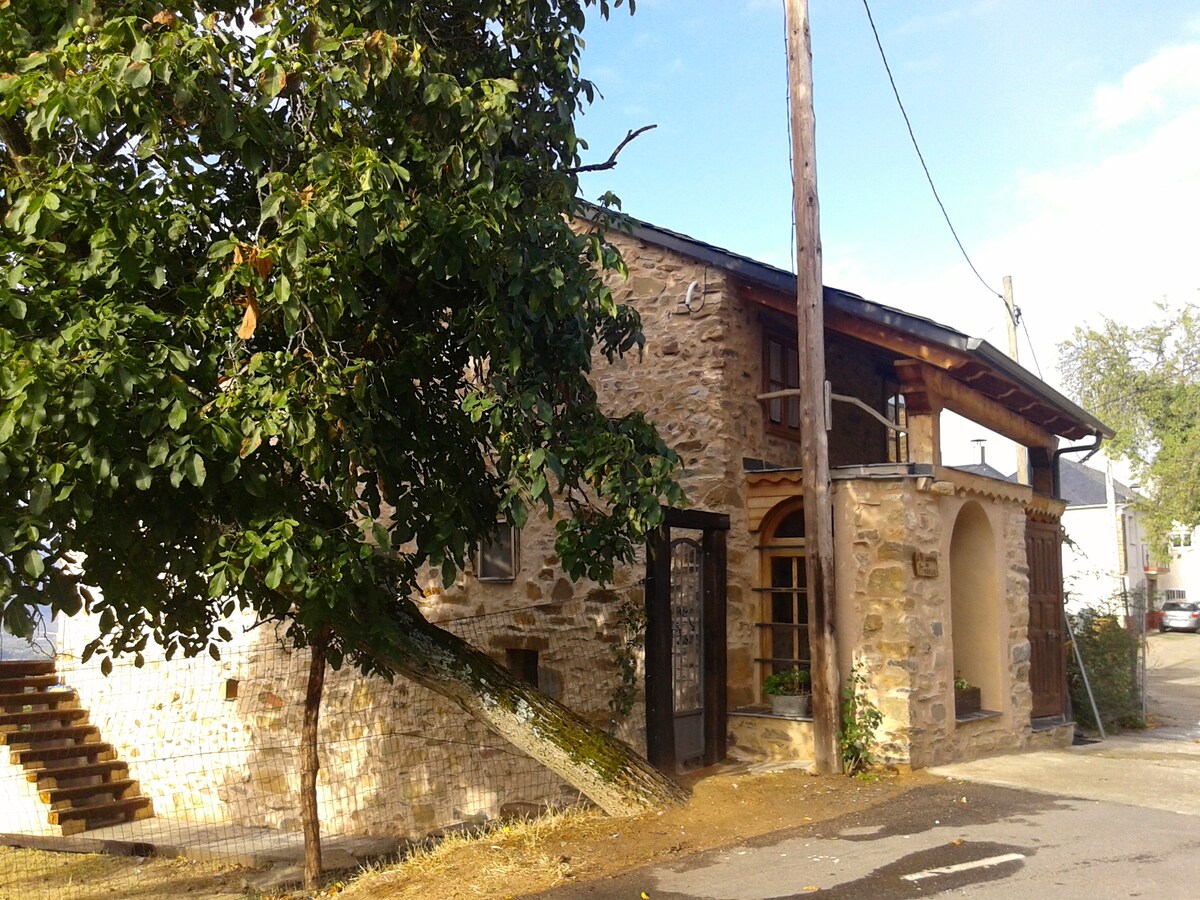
<point x="986" y="471"/>
<point x="1082" y="485"/>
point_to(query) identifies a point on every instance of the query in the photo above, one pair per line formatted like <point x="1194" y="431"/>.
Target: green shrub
<point x="1110" y="655"/>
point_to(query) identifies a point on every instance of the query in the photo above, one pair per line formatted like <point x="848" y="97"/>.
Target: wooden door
<point x="1048" y="659"/>
<point x="685" y="642"/>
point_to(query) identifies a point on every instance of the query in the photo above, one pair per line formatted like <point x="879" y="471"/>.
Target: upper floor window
<point x="781" y="372"/>
<point x="500" y="560"/>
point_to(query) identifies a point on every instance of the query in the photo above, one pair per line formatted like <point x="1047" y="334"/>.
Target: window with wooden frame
<point x="781" y="372"/>
<point x="897" y="414"/>
<point x="499" y="559"/>
<point x="783" y="617"/>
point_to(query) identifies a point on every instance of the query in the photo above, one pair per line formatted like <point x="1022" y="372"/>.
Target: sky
<point x="1063" y="138"/>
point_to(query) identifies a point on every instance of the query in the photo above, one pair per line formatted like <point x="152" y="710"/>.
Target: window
<point x="500" y="560"/>
<point x="781" y="372"/>
<point x="523" y="664"/>
<point x="1174" y="594"/>
<point x="897" y="441"/>
<point x="1181" y="539"/>
<point x="783" y="620"/>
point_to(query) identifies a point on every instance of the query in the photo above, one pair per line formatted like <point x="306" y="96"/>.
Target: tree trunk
<point x="310" y="764"/>
<point x="604" y="769"/>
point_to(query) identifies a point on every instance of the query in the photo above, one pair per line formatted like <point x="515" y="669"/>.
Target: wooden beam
<point x="936" y="387"/>
<point x="716" y="686"/>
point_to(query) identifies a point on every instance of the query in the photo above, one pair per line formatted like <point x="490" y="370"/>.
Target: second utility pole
<point x="814" y="437"/>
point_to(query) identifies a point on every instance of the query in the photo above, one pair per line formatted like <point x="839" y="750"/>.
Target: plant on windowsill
<point x="789" y="693"/>
<point x="966" y="697"/>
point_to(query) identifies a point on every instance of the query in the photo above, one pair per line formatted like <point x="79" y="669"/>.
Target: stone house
<point x="938" y="573"/>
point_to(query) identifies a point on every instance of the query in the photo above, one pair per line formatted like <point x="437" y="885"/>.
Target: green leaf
<point x="17" y="308"/>
<point x="157" y="454"/>
<point x="138" y="75"/>
<point x="39" y="498"/>
<point x="195" y="470"/>
<point x="32" y="564"/>
<point x="177" y="416"/>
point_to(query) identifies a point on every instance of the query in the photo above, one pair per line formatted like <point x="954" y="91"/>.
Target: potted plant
<point x="966" y="697"/>
<point x="789" y="693"/>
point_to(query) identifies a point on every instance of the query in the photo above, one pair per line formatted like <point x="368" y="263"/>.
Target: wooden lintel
<point x="941" y="390"/>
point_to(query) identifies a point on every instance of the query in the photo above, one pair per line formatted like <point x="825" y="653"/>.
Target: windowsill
<point x="977" y="716"/>
<point x="764" y="712"/>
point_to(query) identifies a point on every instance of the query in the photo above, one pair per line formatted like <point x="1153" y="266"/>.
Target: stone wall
<point x="899" y="625"/>
<point x="216" y="741"/>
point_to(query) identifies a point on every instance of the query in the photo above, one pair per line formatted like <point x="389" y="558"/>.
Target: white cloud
<point x="1151" y="88"/>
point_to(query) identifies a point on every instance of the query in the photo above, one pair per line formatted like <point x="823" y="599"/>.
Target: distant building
<point x="1106" y="553"/>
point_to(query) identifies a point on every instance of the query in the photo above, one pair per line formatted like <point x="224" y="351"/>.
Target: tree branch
<point x="611" y="162"/>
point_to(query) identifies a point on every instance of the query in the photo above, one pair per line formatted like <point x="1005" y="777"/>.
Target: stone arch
<point x="975" y="605"/>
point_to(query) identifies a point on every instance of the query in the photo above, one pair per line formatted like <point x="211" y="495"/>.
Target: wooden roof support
<point x="932" y="390"/>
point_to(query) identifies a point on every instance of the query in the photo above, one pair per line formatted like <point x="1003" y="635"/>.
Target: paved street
<point x="1113" y="819"/>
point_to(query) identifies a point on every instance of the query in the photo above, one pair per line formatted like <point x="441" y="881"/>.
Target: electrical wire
<point x="1033" y="353"/>
<point x="921" y="156"/>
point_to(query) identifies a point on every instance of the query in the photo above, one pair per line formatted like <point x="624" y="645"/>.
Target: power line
<point x="1021" y="319"/>
<point x="920" y="155"/>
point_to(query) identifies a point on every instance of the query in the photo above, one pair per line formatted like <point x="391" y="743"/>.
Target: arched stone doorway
<point x="975" y="609"/>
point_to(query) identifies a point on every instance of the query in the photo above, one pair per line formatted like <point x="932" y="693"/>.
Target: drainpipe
<point x="1056" y="474"/>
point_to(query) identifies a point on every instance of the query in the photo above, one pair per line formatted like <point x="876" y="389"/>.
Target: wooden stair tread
<point x="45" y="735"/>
<point x="41" y="715"/>
<point x="58" y="795"/>
<point x="17" y="699"/>
<point x="42" y="754"/>
<point x="95" y="811"/>
<point x="16" y="668"/>
<point x="36" y="683"/>
<point x="70" y="773"/>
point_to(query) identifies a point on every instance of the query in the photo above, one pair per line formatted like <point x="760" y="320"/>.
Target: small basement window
<point x="231" y="688"/>
<point x="500" y="560"/>
<point x="523" y="664"/>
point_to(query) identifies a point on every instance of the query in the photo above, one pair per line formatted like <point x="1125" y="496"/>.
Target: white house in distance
<point x="1106" y="553"/>
<point x="1179" y="579"/>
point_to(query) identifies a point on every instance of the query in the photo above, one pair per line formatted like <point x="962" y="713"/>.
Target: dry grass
<point x="582" y="845"/>
<point x="31" y="874"/>
<point x="483" y="863"/>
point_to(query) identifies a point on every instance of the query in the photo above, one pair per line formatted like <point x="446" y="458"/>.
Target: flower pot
<point x="966" y="701"/>
<point x="793" y="706"/>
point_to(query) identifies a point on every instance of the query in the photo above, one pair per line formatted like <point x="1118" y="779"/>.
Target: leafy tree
<point x="1145" y="382"/>
<point x="292" y="310"/>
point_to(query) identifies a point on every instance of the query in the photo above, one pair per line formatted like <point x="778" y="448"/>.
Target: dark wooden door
<point x="685" y="642"/>
<point x="1048" y="659"/>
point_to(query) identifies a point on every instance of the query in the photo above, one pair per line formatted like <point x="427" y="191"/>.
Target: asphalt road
<point x="1116" y="819"/>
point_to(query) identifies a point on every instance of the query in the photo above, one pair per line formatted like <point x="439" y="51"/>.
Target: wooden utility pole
<point x="1022" y="452"/>
<point x="814" y="438"/>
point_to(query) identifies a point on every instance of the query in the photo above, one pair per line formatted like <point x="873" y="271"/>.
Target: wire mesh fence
<point x="201" y="757"/>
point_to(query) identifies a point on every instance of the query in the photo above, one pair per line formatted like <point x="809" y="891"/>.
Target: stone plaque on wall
<point x="925" y="565"/>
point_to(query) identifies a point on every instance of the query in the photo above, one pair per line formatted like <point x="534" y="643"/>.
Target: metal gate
<point x="687" y="648"/>
<point x="685" y="640"/>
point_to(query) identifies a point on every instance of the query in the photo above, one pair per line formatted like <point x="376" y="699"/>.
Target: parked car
<point x="1180" y="616"/>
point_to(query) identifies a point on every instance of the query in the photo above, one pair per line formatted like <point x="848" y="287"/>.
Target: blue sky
<point x="1064" y="138"/>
